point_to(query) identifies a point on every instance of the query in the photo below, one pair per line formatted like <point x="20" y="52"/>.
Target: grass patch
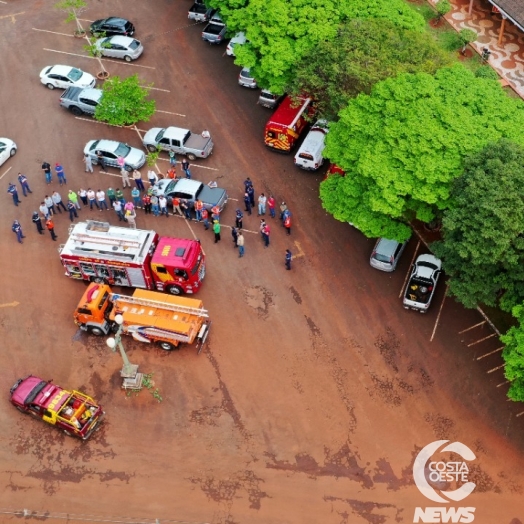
<point x="448" y="39"/>
<point x="425" y="10"/>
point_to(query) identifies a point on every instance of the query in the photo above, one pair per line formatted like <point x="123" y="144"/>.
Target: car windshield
<point x="75" y="74"/>
<point x="39" y="387"/>
<point x="194" y="269"/>
<point x="382" y="258"/>
<point x="134" y="44"/>
<point x="170" y="187"/>
<point x="245" y="73"/>
<point x="93" y="145"/>
<point x="122" y="150"/>
<point x="305" y="156"/>
<point x="160" y="135"/>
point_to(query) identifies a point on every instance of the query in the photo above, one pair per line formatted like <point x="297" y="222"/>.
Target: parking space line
<point x="156" y="89"/>
<point x="12" y="17"/>
<point x="439" y="313"/>
<point x="482" y="340"/>
<point x="5" y="173"/>
<point x="409" y="271"/>
<point x="519" y="414"/>
<point x="472" y="327"/>
<point x="503" y="383"/>
<point x="93" y="121"/>
<point x="192" y="165"/>
<point x="495" y="369"/>
<point x="300" y="252"/>
<point x="123" y="62"/>
<point x="491" y="352"/>
<point x="169" y="113"/>
<point x="2" y="2"/>
<point x="52" y="32"/>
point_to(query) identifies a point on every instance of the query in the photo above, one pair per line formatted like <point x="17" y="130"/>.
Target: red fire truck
<point x="100" y="252"/>
<point x="287" y="123"/>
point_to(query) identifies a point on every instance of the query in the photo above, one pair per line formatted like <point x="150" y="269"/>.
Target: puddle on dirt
<point x="296" y="297"/>
<point x="260" y="299"/>
<point x="443" y="427"/>
<point x="366" y="510"/>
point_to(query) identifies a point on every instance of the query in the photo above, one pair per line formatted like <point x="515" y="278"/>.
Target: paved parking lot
<point x="316" y="389"/>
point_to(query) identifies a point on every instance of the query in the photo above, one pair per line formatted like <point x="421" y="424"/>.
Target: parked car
<point x="134" y="158"/>
<point x="269" y="100"/>
<point x="238" y="39"/>
<point x="7" y="149"/>
<point x="80" y="101"/>
<point x="422" y="283"/>
<point x="65" y="76"/>
<point x="191" y="190"/>
<point x="112" y="26"/>
<point x="178" y="140"/>
<point x="309" y="155"/>
<point x="120" y="47"/>
<point x="199" y="12"/>
<point x="386" y="254"/>
<point x="215" y="31"/>
<point x="245" y="79"/>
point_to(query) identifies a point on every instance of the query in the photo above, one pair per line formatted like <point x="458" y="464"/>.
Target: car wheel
<point x="50" y="86"/>
<point x="166" y="346"/>
<point x="22" y="410"/>
<point x="174" y="290"/>
<point x="129" y="169"/>
<point x="95" y="330"/>
<point x="191" y="156"/>
<point x="76" y="111"/>
<point x="12" y="152"/>
<point x="151" y="148"/>
<point x="127" y="58"/>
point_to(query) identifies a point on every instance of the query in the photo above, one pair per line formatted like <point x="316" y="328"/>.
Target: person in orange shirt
<point x="51" y="228"/>
<point x="215" y="213"/>
<point x="176" y="206"/>
<point x="171" y="172"/>
<point x="198" y="209"/>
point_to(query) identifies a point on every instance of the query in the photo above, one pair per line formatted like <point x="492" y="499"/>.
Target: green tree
<point x="404" y="144"/>
<point x="513" y="355"/>
<point x="466" y="37"/>
<point x="443" y="7"/>
<point x="363" y="53"/>
<point x="483" y="248"/>
<point x="73" y="8"/>
<point x="282" y="32"/>
<point x="124" y="102"/>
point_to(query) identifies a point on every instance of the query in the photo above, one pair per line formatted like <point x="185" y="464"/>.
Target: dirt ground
<point x="316" y="389"/>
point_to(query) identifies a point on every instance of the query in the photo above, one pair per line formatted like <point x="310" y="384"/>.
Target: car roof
<point x="176" y="133"/>
<point x="239" y="38"/>
<point x="122" y="40"/>
<point x="186" y="185"/>
<point x="386" y="247"/>
<point x="115" y="20"/>
<point x="61" y="69"/>
<point x="108" y="145"/>
<point x="93" y="94"/>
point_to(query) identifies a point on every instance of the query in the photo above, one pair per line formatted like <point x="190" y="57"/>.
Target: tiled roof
<point x="513" y="8"/>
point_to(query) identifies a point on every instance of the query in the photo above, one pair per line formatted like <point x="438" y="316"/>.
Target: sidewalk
<point x="508" y="58"/>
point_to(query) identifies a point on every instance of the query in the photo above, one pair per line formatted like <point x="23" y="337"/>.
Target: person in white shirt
<point x="162" y="203"/>
<point x="92" y="199"/>
<point x="101" y="197"/>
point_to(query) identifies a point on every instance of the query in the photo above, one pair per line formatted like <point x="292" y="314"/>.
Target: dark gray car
<point x="81" y="101"/>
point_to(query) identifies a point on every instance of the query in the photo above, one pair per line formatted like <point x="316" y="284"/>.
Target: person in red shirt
<point x="271" y="205"/>
<point x="51" y="228"/>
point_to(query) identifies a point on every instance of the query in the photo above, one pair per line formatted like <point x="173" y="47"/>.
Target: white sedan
<point x="65" y="76"/>
<point x="7" y="149"/>
<point x="238" y="39"/>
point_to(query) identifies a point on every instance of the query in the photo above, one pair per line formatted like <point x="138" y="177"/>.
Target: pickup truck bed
<point x="196" y="141"/>
<point x="215" y="31"/>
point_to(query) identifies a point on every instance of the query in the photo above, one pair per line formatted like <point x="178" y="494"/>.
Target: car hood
<point x="160" y="186"/>
<point x="135" y="157"/>
<point x="86" y="80"/>
<point x="8" y="142"/>
<point x="150" y="136"/>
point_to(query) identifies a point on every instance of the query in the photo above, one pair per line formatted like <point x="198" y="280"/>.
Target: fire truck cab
<point x="287" y="123"/>
<point x="75" y="413"/>
<point x="147" y="316"/>
<point x="100" y="252"/>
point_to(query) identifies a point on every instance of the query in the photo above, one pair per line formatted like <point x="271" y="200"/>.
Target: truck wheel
<point x="166" y="346"/>
<point x="151" y="148"/>
<point x="76" y="111"/>
<point x="95" y="330"/>
<point x="174" y="290"/>
<point x="191" y="156"/>
<point x="99" y="280"/>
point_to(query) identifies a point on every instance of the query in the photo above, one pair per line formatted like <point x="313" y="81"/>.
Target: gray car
<point x="245" y="79"/>
<point x="80" y="101"/>
<point x="120" y="47"/>
<point x="110" y="150"/>
<point x="386" y="254"/>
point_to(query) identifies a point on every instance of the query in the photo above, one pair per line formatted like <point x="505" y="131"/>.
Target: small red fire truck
<point x="99" y="252"/>
<point x="75" y="413"/>
<point x="287" y="123"/>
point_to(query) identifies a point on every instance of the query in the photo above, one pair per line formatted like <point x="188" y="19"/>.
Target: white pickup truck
<point x="422" y="283"/>
<point x="181" y="141"/>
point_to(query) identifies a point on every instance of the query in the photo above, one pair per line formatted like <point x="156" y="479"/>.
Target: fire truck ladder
<point x="83" y="237"/>
<point x="196" y="311"/>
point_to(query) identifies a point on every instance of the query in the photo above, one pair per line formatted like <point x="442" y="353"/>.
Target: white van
<point x="309" y="156"/>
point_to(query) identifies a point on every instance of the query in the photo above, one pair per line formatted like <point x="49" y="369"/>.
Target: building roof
<point x="512" y="9"/>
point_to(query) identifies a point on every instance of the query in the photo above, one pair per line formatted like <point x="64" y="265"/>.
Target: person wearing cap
<point x="60" y="174"/>
<point x="289" y="256"/>
<point x="38" y="223"/>
<point x="101" y="161"/>
<point x="238" y="219"/>
<point x="72" y="210"/>
<point x="17" y="229"/>
<point x="216" y="230"/>
<point x="14" y="193"/>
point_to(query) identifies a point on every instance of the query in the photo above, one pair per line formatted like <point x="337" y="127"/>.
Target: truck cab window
<point x="161" y="269"/>
<point x="84" y="311"/>
<point x="181" y="273"/>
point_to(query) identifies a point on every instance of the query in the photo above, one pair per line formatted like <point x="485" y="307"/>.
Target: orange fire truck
<point x="99" y="252"/>
<point x="287" y="123"/>
<point x="147" y="316"/>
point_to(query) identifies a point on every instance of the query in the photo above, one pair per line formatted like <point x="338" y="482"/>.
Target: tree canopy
<point x="124" y="102"/>
<point x="483" y="247"/>
<point x="363" y="52"/>
<point x="281" y="32"/>
<point x="513" y="355"/>
<point x="403" y="145"/>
